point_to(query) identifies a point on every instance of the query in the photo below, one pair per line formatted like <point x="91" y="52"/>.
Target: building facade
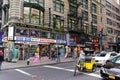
<point x="33" y="24"/>
<point x="112" y="25"/>
<point x="84" y="25"/>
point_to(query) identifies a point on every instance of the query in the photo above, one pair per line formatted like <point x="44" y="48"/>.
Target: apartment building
<point x="32" y="24"/>
<point x="90" y="17"/>
<point x="112" y="23"/>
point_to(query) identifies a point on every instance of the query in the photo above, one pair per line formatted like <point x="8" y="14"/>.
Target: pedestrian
<point x="53" y="54"/>
<point x="81" y="60"/>
<point x="36" y="58"/>
<point x="75" y="53"/>
<point x="1" y="58"/>
<point x="58" y="55"/>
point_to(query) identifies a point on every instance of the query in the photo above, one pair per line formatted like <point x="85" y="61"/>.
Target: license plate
<point x="112" y="77"/>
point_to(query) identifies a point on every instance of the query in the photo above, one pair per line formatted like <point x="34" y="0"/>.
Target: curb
<point x="27" y="66"/>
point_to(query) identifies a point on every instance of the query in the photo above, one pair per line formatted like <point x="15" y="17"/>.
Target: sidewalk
<point x="22" y="64"/>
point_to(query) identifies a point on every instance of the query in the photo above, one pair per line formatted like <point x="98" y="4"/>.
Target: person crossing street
<point x="81" y="59"/>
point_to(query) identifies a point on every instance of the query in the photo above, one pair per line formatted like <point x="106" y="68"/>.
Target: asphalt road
<point x="63" y="71"/>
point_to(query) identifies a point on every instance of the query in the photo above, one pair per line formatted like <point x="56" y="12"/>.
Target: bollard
<point x="28" y="61"/>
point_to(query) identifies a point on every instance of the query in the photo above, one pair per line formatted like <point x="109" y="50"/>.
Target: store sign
<point x="21" y="42"/>
<point x="61" y="41"/>
<point x="35" y="39"/>
<point x="27" y="39"/>
<point x="4" y="39"/>
<point x="47" y="41"/>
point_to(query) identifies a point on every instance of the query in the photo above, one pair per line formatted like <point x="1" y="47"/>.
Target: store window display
<point x="22" y="32"/>
<point x="34" y="33"/>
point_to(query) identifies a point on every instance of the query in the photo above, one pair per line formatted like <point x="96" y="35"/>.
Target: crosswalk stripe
<point x="23" y="72"/>
<point x="71" y="70"/>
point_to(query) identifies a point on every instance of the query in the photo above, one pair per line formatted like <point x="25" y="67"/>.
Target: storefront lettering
<point x="35" y="39"/>
<point x="47" y="41"/>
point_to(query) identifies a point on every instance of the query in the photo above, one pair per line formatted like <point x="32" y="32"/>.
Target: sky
<point x="117" y="1"/>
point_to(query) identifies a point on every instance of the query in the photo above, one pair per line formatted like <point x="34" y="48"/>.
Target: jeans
<point x="58" y="58"/>
<point x="0" y="65"/>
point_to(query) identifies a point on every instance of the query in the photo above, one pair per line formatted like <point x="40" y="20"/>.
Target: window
<point x="94" y="30"/>
<point x="0" y="13"/>
<point x="22" y="32"/>
<point x="35" y="16"/>
<point x="108" y="4"/>
<point x="73" y="1"/>
<point x="32" y="15"/>
<point x="101" y="10"/>
<point x="108" y="12"/>
<point x="110" y="30"/>
<point x="6" y="14"/>
<point x="26" y="14"/>
<point x="113" y="54"/>
<point x="26" y="0"/>
<point x="40" y="2"/>
<point x="58" y="5"/>
<point x="117" y="60"/>
<point x="114" y="15"/>
<point x="85" y="4"/>
<point x="72" y="9"/>
<point x="72" y="24"/>
<point x="109" y="21"/>
<point x="60" y="36"/>
<point x="118" y="10"/>
<point x="85" y="15"/>
<point x="58" y="22"/>
<point x="101" y="55"/>
<point x="113" y="8"/>
<point x="86" y="28"/>
<point x="114" y="24"/>
<point x="44" y="34"/>
<point x="94" y="8"/>
<point x="117" y="17"/>
<point x="94" y="19"/>
<point x="118" y="25"/>
<point x="34" y="33"/>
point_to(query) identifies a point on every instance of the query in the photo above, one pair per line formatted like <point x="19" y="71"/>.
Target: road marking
<point x="23" y="72"/>
<point x="71" y="70"/>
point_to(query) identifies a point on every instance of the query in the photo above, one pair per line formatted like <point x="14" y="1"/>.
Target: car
<point x="103" y="56"/>
<point x="111" y="70"/>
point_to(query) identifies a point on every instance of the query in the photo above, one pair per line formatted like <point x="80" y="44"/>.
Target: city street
<point x="63" y="71"/>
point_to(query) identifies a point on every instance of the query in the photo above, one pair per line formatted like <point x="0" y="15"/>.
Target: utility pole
<point x="50" y="31"/>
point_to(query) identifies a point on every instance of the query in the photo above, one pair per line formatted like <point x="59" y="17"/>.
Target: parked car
<point x="103" y="57"/>
<point x="111" y="70"/>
